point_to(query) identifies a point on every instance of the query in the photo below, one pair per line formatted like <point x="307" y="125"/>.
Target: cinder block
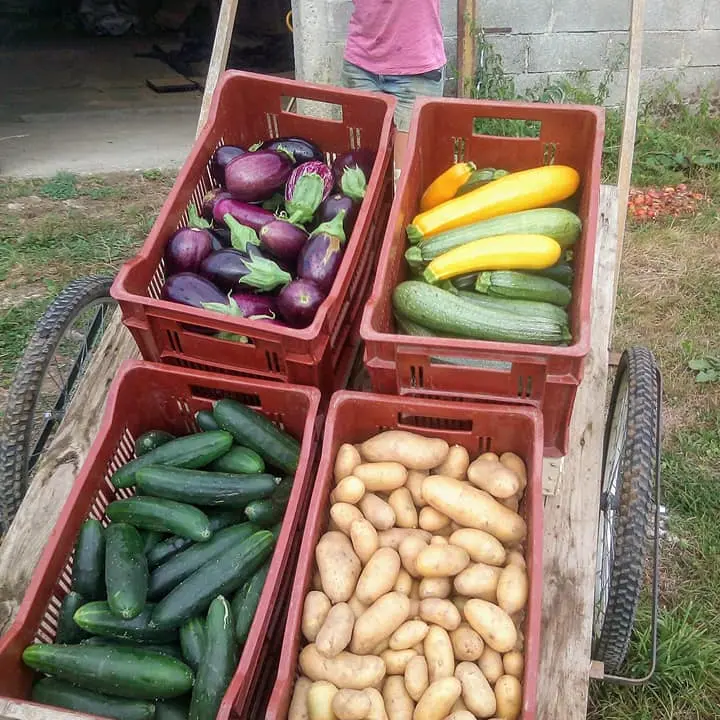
<point x="580" y="16"/>
<point x="666" y="49"/>
<point x="512" y="49"/>
<point x="703" y="47"/>
<point x="674" y="15"/>
<point x="520" y="15"/>
<point x="711" y="15"/>
<point x="529" y="82"/>
<point x="566" y="52"/>
<point x="688" y="82"/>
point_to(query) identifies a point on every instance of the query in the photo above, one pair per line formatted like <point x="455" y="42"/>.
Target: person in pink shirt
<point x="396" y="47"/>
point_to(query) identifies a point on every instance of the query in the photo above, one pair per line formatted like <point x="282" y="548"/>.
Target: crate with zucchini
<point x="490" y="256"/>
<point x="166" y="581"/>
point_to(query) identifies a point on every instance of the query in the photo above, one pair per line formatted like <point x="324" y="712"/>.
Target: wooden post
<point x="466" y="47"/>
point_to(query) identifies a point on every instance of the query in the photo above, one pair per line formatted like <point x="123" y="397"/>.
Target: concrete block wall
<point x="547" y="39"/>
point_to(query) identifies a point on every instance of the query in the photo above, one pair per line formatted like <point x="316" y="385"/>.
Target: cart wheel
<point x="45" y="379"/>
<point x="630" y="458"/>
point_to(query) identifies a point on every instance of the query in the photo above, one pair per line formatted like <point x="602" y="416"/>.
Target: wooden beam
<point x="466" y="47"/>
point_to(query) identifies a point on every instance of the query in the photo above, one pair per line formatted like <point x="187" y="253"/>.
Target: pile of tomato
<point x="652" y="203"/>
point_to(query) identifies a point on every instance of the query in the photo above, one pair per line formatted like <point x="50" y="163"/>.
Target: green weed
<point x="62" y="186"/>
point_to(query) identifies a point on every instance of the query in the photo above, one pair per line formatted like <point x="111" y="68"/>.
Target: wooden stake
<point x="466" y="47"/>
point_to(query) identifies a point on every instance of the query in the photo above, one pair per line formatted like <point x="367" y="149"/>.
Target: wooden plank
<point x="19" y="710"/>
<point x="571" y="515"/>
<point x="552" y="473"/>
<point x="466" y="47"/>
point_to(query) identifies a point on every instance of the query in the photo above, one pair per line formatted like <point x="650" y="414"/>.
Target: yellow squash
<point x="445" y="186"/>
<point x="524" y="190"/>
<point x="502" y="252"/>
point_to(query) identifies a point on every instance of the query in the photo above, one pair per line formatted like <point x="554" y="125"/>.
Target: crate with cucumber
<point x="490" y="256"/>
<point x="163" y="596"/>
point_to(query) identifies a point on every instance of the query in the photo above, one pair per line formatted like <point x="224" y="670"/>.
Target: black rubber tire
<point x="16" y="424"/>
<point x="634" y="502"/>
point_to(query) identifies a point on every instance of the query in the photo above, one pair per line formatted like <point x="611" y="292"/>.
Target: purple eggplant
<point x="190" y="289"/>
<point x="308" y="185"/>
<point x="283" y="240"/>
<point x="299" y="301"/>
<point x="320" y="259"/>
<point x="221" y="158"/>
<point x="230" y="270"/>
<point x="352" y="171"/>
<point x="211" y="198"/>
<point x="251" y="215"/>
<point x="301" y="150"/>
<point x="256" y="176"/>
<point x="189" y="246"/>
<point x="333" y="204"/>
<point x="256" y="306"/>
<point x="220" y="238"/>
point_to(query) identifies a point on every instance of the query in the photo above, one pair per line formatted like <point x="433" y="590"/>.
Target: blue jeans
<point x="406" y="88"/>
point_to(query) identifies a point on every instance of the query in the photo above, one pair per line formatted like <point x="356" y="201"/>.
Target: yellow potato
<point x="377" y="511"/>
<point x="435" y="588"/>
<point x="409" y="549"/>
<point x="408" y="635"/>
<point x="404" y="582"/>
<point x="459" y="705"/>
<point x="440" y="612"/>
<point x="336" y="631"/>
<point x="489" y="456"/>
<point x="473" y="508"/>
<point x="315" y="610"/>
<point x="349" y="490"/>
<point x="515" y="463"/>
<point x="364" y="539"/>
<point x="380" y="621"/>
<point x="512" y="589"/>
<point x="491" y="664"/>
<point x="456" y="463"/>
<point x="515" y="557"/>
<point x="414" y="451"/>
<point x="319" y="699"/>
<point x="461" y="715"/>
<point x="398" y="704"/>
<point x="346" y="460"/>
<point x="512" y="503"/>
<point x="508" y="693"/>
<point x="381" y="476"/>
<point x="431" y="520"/>
<point x="356" y="606"/>
<point x="441" y="561"/>
<point x="401" y="502"/>
<point x="467" y="644"/>
<point x="498" y="480"/>
<point x="439" y="540"/>
<point x="393" y="537"/>
<point x="351" y="705"/>
<point x="397" y="660"/>
<point x="416" y="677"/>
<point x="478" y="580"/>
<point x="414" y="485"/>
<point x="378" y="576"/>
<point x="346" y="670"/>
<point x="377" y="705"/>
<point x="344" y="515"/>
<point x="514" y="663"/>
<point x="438" y="653"/>
<point x="381" y="647"/>
<point x="339" y="566"/>
<point x="299" y="703"/>
<point x="492" y="623"/>
<point x="438" y="699"/>
<point x="477" y="694"/>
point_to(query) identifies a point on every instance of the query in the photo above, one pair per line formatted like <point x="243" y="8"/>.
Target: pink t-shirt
<point x="396" y="37"/>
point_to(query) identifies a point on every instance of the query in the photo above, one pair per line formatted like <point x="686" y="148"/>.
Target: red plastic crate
<point x="354" y="417"/>
<point x="248" y="108"/>
<point x="442" y="132"/>
<point x="144" y="397"/>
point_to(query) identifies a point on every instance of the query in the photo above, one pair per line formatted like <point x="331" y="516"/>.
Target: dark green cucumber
<point x="168" y="547"/>
<point x="150" y="539"/>
<point x="169" y="516"/>
<point x="208" y="489"/>
<point x="150" y="440"/>
<point x="98" y="619"/>
<point x="166" y="649"/>
<point x="562" y="273"/>
<point x="49" y="691"/>
<point x="222" y="576"/>
<point x="218" y="664"/>
<point x="205" y="420"/>
<point x="238" y="460"/>
<point x="265" y="513"/>
<point x="523" y="286"/>
<point x="165" y="577"/>
<point x="88" y="573"/>
<point x="192" y="451"/>
<point x="408" y="327"/>
<point x="446" y="312"/>
<point x="528" y="308"/>
<point x="172" y="710"/>
<point x="126" y="570"/>
<point x="193" y="641"/>
<point x="68" y="631"/>
<point x="124" y="671"/>
<point x="244" y="610"/>
<point x="253" y="430"/>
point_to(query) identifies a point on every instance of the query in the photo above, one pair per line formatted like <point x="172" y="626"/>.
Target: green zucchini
<point x="561" y="225"/>
<point x="68" y="631"/>
<point x="562" y="273"/>
<point x="98" y="619"/>
<point x="222" y="576"/>
<point x="523" y="286"/>
<point x="193" y="641"/>
<point x="218" y="664"/>
<point x="248" y="599"/>
<point x="253" y="430"/>
<point x="166" y="649"/>
<point x="478" y="178"/>
<point x="192" y="451"/>
<point x="238" y="460"/>
<point x="174" y="544"/>
<point x="150" y="440"/>
<point x="126" y="570"/>
<point x="163" y="515"/>
<point x="441" y="310"/>
<point x="49" y="691"/>
<point x="205" y="488"/>
<point x="150" y="539"/>
<point x="205" y="420"/>
<point x="527" y="308"/>
<point x="408" y="327"/>
<point x="171" y="710"/>
<point x="88" y="573"/>
<point x="165" y="577"/>
<point x="125" y="671"/>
